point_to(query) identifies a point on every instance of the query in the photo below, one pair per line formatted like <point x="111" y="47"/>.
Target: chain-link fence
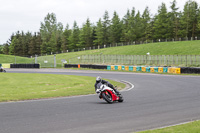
<point x="154" y="60"/>
<point x="46" y="61"/>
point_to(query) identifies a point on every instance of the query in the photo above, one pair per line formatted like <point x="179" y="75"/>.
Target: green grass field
<point x="15" y="87"/>
<point x="193" y="127"/>
<point x="163" y="48"/>
<point x="13" y="59"/>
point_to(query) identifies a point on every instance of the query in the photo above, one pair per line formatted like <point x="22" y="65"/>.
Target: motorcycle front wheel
<point x="107" y="97"/>
<point x="121" y="99"/>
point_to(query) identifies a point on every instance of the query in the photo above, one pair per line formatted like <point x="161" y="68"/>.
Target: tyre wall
<point x="24" y="65"/>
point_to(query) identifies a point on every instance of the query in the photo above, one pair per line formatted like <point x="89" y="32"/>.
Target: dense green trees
<point x="134" y="27"/>
<point x="189" y="19"/>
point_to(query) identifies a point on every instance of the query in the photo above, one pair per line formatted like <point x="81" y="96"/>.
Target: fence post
<point x="181" y="59"/>
<point x="15" y="59"/>
<point x="54" y="60"/>
<point x="35" y="59"/>
<point x="164" y="60"/>
<point x="186" y="60"/>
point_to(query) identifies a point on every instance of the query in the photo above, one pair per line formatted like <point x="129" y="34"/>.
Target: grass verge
<point x="15" y="86"/>
<point x="192" y="127"/>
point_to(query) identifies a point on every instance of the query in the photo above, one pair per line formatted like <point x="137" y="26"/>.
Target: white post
<point x="54" y="60"/>
<point x="35" y="59"/>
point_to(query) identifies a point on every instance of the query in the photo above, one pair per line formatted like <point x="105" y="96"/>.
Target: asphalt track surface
<point x="155" y="101"/>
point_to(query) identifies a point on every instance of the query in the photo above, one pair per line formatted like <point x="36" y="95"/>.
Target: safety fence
<point x="153" y="69"/>
<point x="153" y="60"/>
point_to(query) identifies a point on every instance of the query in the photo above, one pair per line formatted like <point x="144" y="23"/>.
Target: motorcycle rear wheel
<point x="107" y="97"/>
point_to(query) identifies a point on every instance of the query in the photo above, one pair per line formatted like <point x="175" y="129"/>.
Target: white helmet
<point x="98" y="79"/>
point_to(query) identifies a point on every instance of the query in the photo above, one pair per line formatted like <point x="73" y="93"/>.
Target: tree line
<point x="52" y="37"/>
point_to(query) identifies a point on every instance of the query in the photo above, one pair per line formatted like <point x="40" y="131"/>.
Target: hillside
<point x="13" y="59"/>
<point x="163" y="48"/>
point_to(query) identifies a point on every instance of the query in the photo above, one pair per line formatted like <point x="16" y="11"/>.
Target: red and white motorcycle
<point x="108" y="94"/>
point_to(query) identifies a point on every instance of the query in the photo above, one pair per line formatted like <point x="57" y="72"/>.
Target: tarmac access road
<point x="155" y="101"/>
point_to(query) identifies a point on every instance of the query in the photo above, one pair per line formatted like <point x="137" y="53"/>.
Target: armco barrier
<point x="24" y="65"/>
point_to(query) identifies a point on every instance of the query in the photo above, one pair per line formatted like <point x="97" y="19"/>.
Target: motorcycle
<point x="108" y="94"/>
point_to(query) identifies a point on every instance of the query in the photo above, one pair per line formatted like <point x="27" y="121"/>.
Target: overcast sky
<point x="26" y="15"/>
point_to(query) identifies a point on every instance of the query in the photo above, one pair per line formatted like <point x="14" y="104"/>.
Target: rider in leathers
<point x="99" y="80"/>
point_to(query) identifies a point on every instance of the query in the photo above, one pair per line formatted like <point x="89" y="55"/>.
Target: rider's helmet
<point x="98" y="79"/>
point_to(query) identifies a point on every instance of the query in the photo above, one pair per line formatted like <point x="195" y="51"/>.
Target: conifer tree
<point x="125" y="27"/>
<point x="174" y="17"/>
<point x="131" y="35"/>
<point x="65" y="38"/>
<point x="74" y="37"/>
<point x="99" y="34"/>
<point x="48" y="35"/>
<point x="138" y="26"/>
<point x="6" y="48"/>
<point x="86" y="35"/>
<point x="146" y="20"/>
<point x="188" y="21"/>
<point x="106" y="28"/>
<point x="115" y="29"/>
<point x="161" y="24"/>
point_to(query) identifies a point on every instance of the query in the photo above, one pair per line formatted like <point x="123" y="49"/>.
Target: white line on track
<point x="182" y="123"/>
<point x="132" y="86"/>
